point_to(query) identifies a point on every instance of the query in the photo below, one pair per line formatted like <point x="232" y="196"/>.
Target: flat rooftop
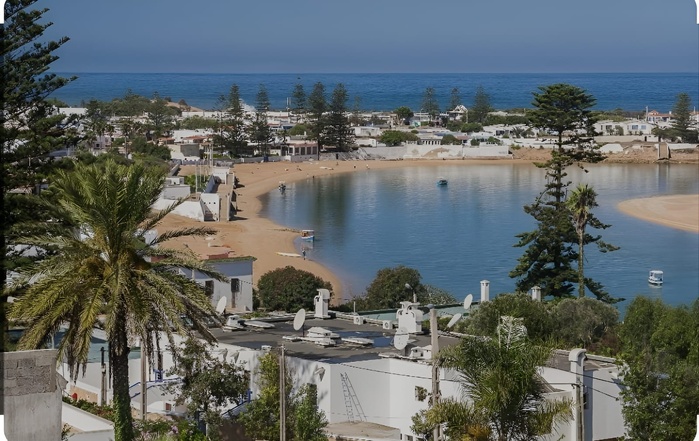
<point x="254" y="337"/>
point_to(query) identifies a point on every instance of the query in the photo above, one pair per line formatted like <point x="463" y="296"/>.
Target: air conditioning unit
<point x="266" y="348"/>
<point x="358" y="320"/>
<point x="387" y="324"/>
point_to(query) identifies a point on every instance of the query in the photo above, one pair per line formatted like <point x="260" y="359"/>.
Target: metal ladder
<point x="351" y="400"/>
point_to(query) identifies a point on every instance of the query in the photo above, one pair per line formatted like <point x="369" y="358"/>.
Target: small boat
<point x="308" y="234"/>
<point x="441" y="182"/>
<point x="655" y="277"/>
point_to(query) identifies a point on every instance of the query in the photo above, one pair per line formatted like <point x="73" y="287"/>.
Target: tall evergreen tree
<point x="430" y="104"/>
<point x="682" y="119"/>
<point x="454" y="98"/>
<point x="160" y="116"/>
<point x="563" y="110"/>
<point x="260" y="133"/>
<point x="298" y="101"/>
<point x="337" y="130"/>
<point x="317" y="106"/>
<point x="481" y="106"/>
<point x="29" y="125"/>
<point x="232" y="136"/>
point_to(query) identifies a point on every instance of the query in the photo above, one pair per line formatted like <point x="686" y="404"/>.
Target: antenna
<point x="467" y="301"/>
<point x="299" y="319"/>
<point x="221" y="305"/>
<point x="453" y="320"/>
<point x="400" y="340"/>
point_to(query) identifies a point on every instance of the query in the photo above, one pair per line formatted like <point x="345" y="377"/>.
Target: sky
<point x="383" y="36"/>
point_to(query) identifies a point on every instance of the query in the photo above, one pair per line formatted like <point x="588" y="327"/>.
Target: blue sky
<point x="225" y="36"/>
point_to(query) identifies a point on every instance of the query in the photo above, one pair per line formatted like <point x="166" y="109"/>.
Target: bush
<point x="289" y="289"/>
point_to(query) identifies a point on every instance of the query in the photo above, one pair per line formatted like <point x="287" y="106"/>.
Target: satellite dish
<point x="467" y="301"/>
<point x="299" y="319"/>
<point x="400" y="340"/>
<point x="453" y="320"/>
<point x="221" y="305"/>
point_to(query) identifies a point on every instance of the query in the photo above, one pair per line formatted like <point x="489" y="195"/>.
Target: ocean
<point x="458" y="235"/>
<point x="378" y="92"/>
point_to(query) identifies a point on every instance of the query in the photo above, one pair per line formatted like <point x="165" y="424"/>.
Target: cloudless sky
<point x="331" y="36"/>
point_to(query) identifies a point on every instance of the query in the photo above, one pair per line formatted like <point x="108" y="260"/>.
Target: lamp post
<point x="407" y="286"/>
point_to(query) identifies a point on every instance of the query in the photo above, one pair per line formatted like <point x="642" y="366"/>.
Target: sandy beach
<point x="252" y="235"/>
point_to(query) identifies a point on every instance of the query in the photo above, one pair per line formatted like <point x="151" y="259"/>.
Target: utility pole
<point x="103" y="383"/>
<point x="144" y="401"/>
<point x="435" y="366"/>
<point x="282" y="396"/>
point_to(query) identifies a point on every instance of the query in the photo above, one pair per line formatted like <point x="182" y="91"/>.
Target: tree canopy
<point x="289" y="289"/>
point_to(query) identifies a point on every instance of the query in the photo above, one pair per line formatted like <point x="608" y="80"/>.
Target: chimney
<point x="536" y="293"/>
<point x="321" y="302"/>
<point x="485" y="291"/>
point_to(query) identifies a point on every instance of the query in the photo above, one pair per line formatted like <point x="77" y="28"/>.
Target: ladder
<point x="351" y="400"/>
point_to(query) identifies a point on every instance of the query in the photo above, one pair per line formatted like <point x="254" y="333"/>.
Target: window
<point x="209" y="288"/>
<point x="235" y="286"/>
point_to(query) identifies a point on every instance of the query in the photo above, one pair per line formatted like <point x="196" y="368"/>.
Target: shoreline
<point x="250" y="234"/>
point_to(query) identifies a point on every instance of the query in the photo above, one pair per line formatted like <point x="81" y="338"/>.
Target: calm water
<point x="458" y="235"/>
<point x="630" y="91"/>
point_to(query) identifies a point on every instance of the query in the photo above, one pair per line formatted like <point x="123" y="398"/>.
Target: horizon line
<point x="376" y="73"/>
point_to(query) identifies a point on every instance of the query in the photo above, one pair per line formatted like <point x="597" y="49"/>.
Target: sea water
<point x="628" y="91"/>
<point x="465" y="232"/>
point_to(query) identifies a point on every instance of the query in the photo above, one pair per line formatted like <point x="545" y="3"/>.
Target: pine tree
<point x="430" y="104"/>
<point x="317" y="106"/>
<point x="260" y="133"/>
<point x="563" y="110"/>
<point x="232" y="135"/>
<point x="682" y="119"/>
<point x="298" y="101"/>
<point x="29" y="124"/>
<point x="455" y="99"/>
<point x="481" y="106"/>
<point x="337" y="129"/>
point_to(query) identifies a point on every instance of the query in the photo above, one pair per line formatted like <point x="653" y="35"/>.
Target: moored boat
<point x="655" y="277"/>
<point x="308" y="234"/>
<point x="441" y="182"/>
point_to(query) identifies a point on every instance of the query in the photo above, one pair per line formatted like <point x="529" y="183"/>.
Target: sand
<point x="252" y="235"/>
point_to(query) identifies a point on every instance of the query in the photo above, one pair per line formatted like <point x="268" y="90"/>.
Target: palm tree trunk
<point x="123" y="420"/>
<point x="581" y="264"/>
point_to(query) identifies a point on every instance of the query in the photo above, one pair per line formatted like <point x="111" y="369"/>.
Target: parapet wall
<point x="30" y="394"/>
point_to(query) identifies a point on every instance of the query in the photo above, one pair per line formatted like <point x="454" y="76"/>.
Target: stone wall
<point x="31" y="396"/>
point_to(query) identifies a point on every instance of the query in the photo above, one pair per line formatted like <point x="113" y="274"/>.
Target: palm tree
<point x="100" y="268"/>
<point x="505" y="395"/>
<point x="580" y="203"/>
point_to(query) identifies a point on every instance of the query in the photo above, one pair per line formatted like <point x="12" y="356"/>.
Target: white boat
<point x="308" y="234"/>
<point x="655" y="277"/>
<point x="441" y="182"/>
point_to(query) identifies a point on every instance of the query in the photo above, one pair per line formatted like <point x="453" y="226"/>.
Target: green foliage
<point x="682" y="119"/>
<point x="481" y="106"/>
<point x="403" y="113"/>
<point x="484" y="319"/>
<point x="208" y="383"/>
<point x="389" y="288"/>
<point x="106" y="412"/>
<point x="112" y="203"/>
<point x="197" y="123"/>
<point x="289" y="289"/>
<point x="583" y="321"/>
<point x="471" y="127"/>
<point x="563" y="110"/>
<point x="450" y="139"/>
<point x="298" y="130"/>
<point x="660" y="349"/>
<point x="298" y="100"/>
<point x="430" y="104"/>
<point x="337" y="127"/>
<point x="160" y="116"/>
<point x="397" y="137"/>
<point x="510" y="120"/>
<point x="309" y="422"/>
<point x="475" y="142"/>
<point x="232" y="133"/>
<point x="437" y="296"/>
<point x="454" y="99"/>
<point x="506" y="398"/>
<point x="317" y="106"/>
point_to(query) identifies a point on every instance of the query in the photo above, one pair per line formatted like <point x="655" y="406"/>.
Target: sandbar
<point x="675" y="211"/>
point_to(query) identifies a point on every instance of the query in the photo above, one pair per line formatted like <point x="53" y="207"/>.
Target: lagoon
<point x="465" y="232"/>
